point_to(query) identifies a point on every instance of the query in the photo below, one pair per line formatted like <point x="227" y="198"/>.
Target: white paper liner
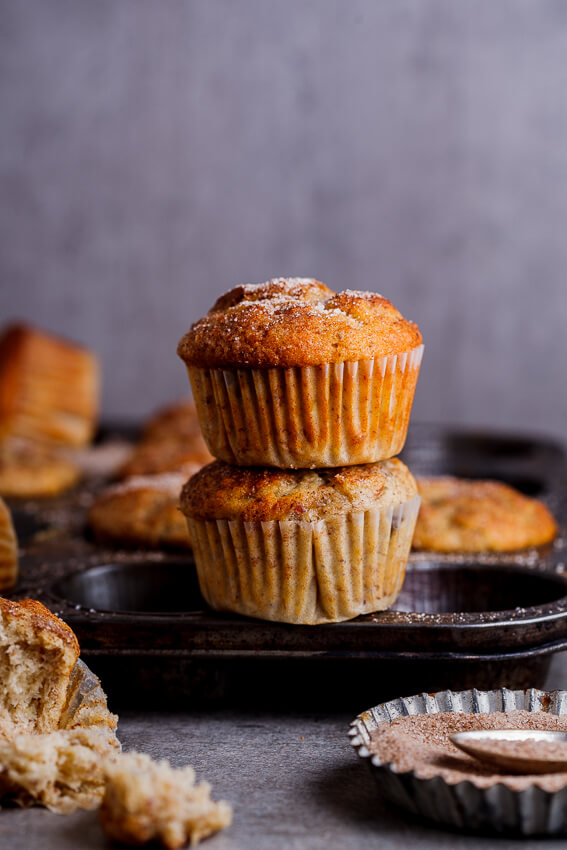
<point x="499" y="808"/>
<point x="85" y="705"/>
<point x="305" y="572"/>
<point x="312" y="416"/>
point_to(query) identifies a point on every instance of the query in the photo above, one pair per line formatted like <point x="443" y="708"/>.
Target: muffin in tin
<point x="49" y="388"/>
<point x="143" y="511"/>
<point x="290" y="374"/>
<point x="30" y="470"/>
<point x="8" y="549"/>
<point x="301" y="546"/>
<point x="462" y="515"/>
<point x="171" y="440"/>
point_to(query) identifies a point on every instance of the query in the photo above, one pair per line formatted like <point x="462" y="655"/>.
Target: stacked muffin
<point x="304" y="395"/>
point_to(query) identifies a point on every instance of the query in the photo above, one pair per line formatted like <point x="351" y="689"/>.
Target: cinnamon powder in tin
<point x="421" y="743"/>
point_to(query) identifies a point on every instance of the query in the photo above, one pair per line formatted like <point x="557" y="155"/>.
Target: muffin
<point x="305" y="546"/>
<point x="37" y="654"/>
<point x="460" y="515"/>
<point x="49" y="388"/>
<point x="289" y="374"/>
<point x="8" y="549"/>
<point x="29" y="470"/>
<point x="178" y="419"/>
<point x="171" y="441"/>
<point x="143" y="511"/>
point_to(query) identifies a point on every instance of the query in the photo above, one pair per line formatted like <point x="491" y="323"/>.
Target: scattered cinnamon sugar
<point x="421" y="743"/>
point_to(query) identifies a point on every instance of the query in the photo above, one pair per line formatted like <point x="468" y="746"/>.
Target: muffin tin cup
<point x="335" y="414"/>
<point x="464" y="805"/>
<point x="305" y="572"/>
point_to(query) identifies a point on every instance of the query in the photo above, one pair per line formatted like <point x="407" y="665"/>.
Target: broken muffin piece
<point x="146" y="801"/>
<point x="62" y="770"/>
<point x="37" y="654"/>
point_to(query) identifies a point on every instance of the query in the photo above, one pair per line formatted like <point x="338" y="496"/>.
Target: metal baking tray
<point x="487" y="621"/>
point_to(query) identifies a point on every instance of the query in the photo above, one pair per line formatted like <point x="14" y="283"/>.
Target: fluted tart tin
<point x="500" y="807"/>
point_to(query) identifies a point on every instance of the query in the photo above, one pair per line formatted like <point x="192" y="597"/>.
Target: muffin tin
<point x="486" y="620"/>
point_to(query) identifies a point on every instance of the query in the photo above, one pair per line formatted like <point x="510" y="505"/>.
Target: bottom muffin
<point x="301" y="546"/>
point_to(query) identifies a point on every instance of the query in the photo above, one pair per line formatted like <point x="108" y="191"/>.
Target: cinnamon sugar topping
<point x="289" y="322"/>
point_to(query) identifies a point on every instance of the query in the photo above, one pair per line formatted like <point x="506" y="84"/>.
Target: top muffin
<point x="289" y="322"/>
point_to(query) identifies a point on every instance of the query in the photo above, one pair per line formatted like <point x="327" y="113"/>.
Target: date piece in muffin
<point x="49" y="388"/>
<point x="290" y="374"/>
<point x="461" y="515"/>
<point x="146" y="801"/>
<point x="37" y="654"/>
<point x="8" y="549"/>
<point x="301" y="546"/>
<point x="143" y="511"/>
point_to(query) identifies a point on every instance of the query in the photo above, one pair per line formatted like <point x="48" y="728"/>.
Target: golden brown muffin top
<point x="38" y="621"/>
<point x="460" y="515"/>
<point x="221" y="491"/>
<point x="156" y="457"/>
<point x="143" y="510"/>
<point x="178" y="419"/>
<point x="296" y="322"/>
<point x="171" y="441"/>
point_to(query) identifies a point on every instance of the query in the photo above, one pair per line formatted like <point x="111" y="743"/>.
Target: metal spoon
<point x="483" y="745"/>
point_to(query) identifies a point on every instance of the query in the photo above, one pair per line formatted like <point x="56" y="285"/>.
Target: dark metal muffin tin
<point x="485" y="621"/>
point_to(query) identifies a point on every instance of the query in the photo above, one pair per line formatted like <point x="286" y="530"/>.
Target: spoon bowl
<point x="516" y="750"/>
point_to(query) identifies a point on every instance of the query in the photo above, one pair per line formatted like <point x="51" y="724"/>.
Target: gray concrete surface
<point x="293" y="780"/>
<point x="152" y="154"/>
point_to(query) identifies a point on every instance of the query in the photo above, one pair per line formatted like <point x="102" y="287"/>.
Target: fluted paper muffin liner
<point x="464" y="805"/>
<point x="305" y="572"/>
<point x="337" y="414"/>
<point x="85" y="704"/>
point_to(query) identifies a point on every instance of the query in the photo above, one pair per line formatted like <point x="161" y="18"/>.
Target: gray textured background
<point x="154" y="153"/>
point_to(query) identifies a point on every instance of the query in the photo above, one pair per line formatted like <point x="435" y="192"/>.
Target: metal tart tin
<point x="464" y="806"/>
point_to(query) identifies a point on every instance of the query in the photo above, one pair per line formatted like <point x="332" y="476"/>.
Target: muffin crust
<point x="221" y="491"/>
<point x="289" y="322"/>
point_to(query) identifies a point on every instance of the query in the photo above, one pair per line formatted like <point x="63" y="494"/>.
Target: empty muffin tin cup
<point x="144" y="587"/>
<point x="498" y="808"/>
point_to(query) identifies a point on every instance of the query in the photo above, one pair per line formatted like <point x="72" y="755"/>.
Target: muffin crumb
<point x="145" y="800"/>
